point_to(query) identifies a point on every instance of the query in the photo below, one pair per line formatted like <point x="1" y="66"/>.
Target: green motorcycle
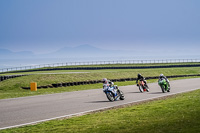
<point x="164" y="85"/>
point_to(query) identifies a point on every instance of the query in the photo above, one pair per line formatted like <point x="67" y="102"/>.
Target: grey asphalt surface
<point x="28" y="110"/>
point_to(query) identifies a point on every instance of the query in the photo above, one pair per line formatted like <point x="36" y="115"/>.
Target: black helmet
<point x="139" y="75"/>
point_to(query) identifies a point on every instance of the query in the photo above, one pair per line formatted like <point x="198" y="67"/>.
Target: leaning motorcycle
<point x="142" y="86"/>
<point x="163" y="85"/>
<point x="113" y="93"/>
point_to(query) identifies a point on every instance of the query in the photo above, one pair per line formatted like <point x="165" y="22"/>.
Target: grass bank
<point x="88" y="66"/>
<point x="12" y="87"/>
<point x="178" y="113"/>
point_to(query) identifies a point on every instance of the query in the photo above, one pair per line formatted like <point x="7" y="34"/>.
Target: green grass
<point x="175" y="114"/>
<point x="12" y="87"/>
<point x="106" y="65"/>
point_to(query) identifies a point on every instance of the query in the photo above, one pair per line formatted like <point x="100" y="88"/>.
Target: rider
<point x="107" y="83"/>
<point x="141" y="78"/>
<point x="162" y="76"/>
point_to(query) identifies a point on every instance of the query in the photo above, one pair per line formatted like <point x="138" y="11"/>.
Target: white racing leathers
<point x="107" y="87"/>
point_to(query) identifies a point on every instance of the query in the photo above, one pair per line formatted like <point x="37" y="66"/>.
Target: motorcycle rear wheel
<point x="147" y="88"/>
<point x="121" y="95"/>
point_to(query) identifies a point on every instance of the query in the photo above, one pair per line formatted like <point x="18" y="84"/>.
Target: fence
<point x="99" y="63"/>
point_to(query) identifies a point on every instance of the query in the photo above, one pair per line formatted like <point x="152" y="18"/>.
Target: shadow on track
<point x="97" y="101"/>
<point x="134" y="92"/>
<point x="155" y="92"/>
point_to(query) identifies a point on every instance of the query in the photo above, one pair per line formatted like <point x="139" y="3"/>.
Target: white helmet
<point x="161" y="75"/>
<point x="104" y="80"/>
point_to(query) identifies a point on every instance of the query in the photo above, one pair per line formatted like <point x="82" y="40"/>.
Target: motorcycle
<point x="164" y="85"/>
<point x="142" y="86"/>
<point x="113" y="93"/>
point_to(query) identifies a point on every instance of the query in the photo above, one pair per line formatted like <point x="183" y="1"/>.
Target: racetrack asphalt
<point x="17" y="112"/>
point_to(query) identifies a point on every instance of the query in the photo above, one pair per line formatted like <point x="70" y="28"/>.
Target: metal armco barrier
<point x="99" y="81"/>
<point x="53" y="65"/>
<point x="101" y="68"/>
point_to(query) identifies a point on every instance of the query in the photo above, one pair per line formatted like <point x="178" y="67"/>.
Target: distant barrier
<point x="67" y="84"/>
<point x="100" y="68"/>
<point x="2" y="78"/>
<point x="53" y="65"/>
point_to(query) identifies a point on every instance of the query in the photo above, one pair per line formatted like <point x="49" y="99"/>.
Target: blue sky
<point x="44" y="26"/>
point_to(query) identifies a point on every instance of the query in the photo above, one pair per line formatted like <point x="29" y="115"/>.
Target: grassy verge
<point x="105" y="65"/>
<point x="12" y="87"/>
<point x="179" y="113"/>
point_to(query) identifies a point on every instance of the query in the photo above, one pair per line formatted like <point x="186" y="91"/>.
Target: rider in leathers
<point x="109" y="83"/>
<point x="140" y="78"/>
<point x="162" y="76"/>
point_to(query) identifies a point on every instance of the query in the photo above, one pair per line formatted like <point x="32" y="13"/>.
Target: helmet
<point x="139" y="74"/>
<point x="104" y="80"/>
<point x="161" y="75"/>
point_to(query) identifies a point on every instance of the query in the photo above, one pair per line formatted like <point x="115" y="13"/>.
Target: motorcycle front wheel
<point x="163" y="89"/>
<point x="110" y="96"/>
<point x="141" y="88"/>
